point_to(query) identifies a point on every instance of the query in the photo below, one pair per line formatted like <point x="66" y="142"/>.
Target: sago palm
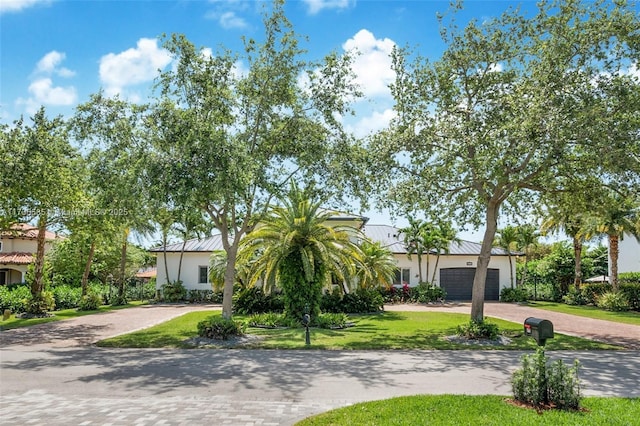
<point x="299" y="250"/>
<point x="378" y="266"/>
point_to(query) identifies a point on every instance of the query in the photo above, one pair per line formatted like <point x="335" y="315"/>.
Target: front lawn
<point x="388" y="330"/>
<point x="629" y="317"/>
<point x="14" y="322"/>
<point x="476" y="410"/>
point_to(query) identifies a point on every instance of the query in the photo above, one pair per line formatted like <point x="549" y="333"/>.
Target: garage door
<point x="458" y="283"/>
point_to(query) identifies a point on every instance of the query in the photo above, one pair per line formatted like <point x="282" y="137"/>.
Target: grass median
<point x="387" y="330"/>
<point x="627" y="317"/>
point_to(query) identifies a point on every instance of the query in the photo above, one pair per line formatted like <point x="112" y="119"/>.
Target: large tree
<point x="244" y="125"/>
<point x="503" y="114"/>
<point x="42" y="176"/>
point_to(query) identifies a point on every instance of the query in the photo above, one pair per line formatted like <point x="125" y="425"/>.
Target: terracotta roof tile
<point x="16" y="258"/>
<point x="26" y="231"/>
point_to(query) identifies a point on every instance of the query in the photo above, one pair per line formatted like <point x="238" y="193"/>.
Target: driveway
<point x="52" y="374"/>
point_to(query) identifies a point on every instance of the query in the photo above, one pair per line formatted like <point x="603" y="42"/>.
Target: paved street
<point x="77" y="383"/>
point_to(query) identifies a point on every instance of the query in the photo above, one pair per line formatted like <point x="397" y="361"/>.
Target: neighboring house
<point x="628" y="255"/>
<point x="454" y="273"/>
<point x="455" y="270"/>
<point x="18" y="247"/>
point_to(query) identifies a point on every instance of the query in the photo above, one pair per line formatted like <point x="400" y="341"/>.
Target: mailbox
<point x="539" y="329"/>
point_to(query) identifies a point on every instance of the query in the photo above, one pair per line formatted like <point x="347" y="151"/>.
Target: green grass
<point x="388" y="330"/>
<point x="476" y="410"/>
<point x="629" y="317"/>
<point x="14" y="322"/>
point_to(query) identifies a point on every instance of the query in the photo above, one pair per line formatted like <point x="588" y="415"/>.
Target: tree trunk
<point x="510" y="266"/>
<point x="526" y="269"/>
<point x="229" y="278"/>
<point x="435" y="268"/>
<point x="164" y="255"/>
<point x="419" y="269"/>
<point x="577" y="253"/>
<point x="613" y="251"/>
<point x="480" y="278"/>
<point x="123" y="263"/>
<point x="427" y="267"/>
<point x="38" y="283"/>
<point x="87" y="268"/>
<point x="184" y="243"/>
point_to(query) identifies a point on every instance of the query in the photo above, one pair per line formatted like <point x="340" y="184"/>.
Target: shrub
<point x="271" y="320"/>
<point x="174" y="292"/>
<point x="478" y="330"/>
<point x="539" y="291"/>
<point x="632" y="292"/>
<point x="629" y="278"/>
<point x="253" y="300"/>
<point x="332" y="302"/>
<point x="613" y="302"/>
<point x="575" y="296"/>
<point x="541" y="384"/>
<point x="41" y="304"/>
<point x="331" y="321"/>
<point x="204" y="296"/>
<point x="219" y="328"/>
<point x="514" y="295"/>
<point x="591" y="292"/>
<point x="67" y="297"/>
<point x="14" y="299"/>
<point x="90" y="302"/>
<point x="427" y="293"/>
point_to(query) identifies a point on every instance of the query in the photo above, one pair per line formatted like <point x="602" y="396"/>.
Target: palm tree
<point x="574" y="225"/>
<point x="446" y="236"/>
<point x="378" y="265"/>
<point x="527" y="238"/>
<point x="419" y="238"/>
<point x="616" y="217"/>
<point x="507" y="239"/>
<point x="301" y="251"/>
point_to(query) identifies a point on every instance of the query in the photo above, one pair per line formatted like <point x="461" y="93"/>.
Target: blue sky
<point x="56" y="53"/>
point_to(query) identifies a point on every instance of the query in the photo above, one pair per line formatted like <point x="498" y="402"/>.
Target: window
<point x="203" y="274"/>
<point x="402" y="276"/>
<point x="0" y="245"/>
<point x="3" y="277"/>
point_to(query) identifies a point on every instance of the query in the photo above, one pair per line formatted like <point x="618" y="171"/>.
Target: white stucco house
<point x="455" y="270"/>
<point x="18" y="247"/>
<point x="628" y="255"/>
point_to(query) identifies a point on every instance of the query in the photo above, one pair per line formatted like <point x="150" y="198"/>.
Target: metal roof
<point x="393" y="239"/>
<point x="209" y="244"/>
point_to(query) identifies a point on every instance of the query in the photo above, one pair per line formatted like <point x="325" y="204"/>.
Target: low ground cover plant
<point x="219" y="328"/>
<point x="476" y="330"/>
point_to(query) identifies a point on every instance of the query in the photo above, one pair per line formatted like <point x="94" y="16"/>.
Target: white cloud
<point x="372" y="123"/>
<point x="315" y="6"/>
<point x="19" y="5"/>
<point x="50" y="62"/>
<point x="133" y="66"/>
<point x="229" y="20"/>
<point x="372" y="64"/>
<point x="43" y="92"/>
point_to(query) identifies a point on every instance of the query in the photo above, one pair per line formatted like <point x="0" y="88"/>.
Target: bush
<point x="271" y="320"/>
<point x="575" y="296"/>
<point x="174" y="292"/>
<point x="541" y="384"/>
<point x="332" y="302"/>
<point x="632" y="292"/>
<point x="14" y="299"/>
<point x="514" y="295"/>
<point x="204" y="296"/>
<point x="363" y="300"/>
<point x="613" y="302"/>
<point x="41" y="304"/>
<point x="90" y="302"/>
<point x="67" y="297"/>
<point x="253" y="300"/>
<point x="478" y="330"/>
<point x="629" y="278"/>
<point x="427" y="293"/>
<point x="591" y="292"/>
<point x="219" y="328"/>
<point x="330" y="321"/>
<point x="540" y="291"/>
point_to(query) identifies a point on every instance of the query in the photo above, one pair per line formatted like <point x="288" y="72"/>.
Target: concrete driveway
<point x="53" y="375"/>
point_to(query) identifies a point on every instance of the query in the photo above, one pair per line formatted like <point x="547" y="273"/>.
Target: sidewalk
<point x="626" y="335"/>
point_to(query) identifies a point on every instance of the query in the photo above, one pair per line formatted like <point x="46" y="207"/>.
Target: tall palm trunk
<point x="38" y="283"/>
<point x="123" y="263"/>
<point x="87" y="268"/>
<point x="613" y="249"/>
<point x="577" y="253"/>
<point x="510" y="266"/>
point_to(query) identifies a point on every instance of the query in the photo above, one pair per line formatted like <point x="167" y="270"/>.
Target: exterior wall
<point x="497" y="262"/>
<point x="629" y="255"/>
<point x="189" y="272"/>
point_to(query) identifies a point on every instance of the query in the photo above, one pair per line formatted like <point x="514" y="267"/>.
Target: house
<point x="18" y="247"/>
<point x="628" y="255"/>
<point x="455" y="270"/>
